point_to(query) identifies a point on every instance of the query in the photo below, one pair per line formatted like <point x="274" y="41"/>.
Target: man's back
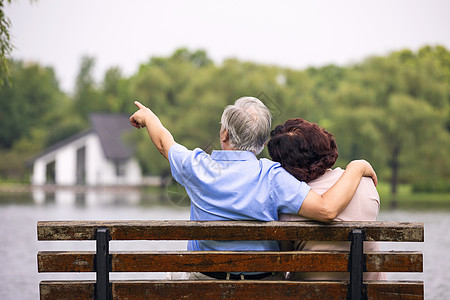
<point x="235" y="185"/>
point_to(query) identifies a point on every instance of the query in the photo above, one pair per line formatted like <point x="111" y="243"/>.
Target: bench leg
<point x="356" y="265"/>
<point x="102" y="263"/>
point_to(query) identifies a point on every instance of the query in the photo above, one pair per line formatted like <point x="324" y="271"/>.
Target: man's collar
<point x="232" y="155"/>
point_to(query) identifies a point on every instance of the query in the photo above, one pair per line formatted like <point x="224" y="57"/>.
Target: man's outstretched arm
<point x="330" y="204"/>
<point x="159" y="135"/>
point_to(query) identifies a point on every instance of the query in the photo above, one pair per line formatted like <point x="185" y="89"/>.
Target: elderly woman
<point x="309" y="152"/>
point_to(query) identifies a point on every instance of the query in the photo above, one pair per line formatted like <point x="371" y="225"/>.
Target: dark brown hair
<point x="304" y="149"/>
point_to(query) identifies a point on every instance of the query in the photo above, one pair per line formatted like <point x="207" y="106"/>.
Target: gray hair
<point x="248" y="122"/>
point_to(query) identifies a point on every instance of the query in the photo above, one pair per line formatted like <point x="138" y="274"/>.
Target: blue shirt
<point x="235" y="185"/>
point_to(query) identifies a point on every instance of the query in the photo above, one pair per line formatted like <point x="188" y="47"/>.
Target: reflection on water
<point x="85" y="197"/>
<point x="20" y="211"/>
<point x="82" y="196"/>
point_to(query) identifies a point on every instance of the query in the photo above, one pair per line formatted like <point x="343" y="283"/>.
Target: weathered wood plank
<point x="394" y="261"/>
<point x="230" y="290"/>
<point x="302" y="261"/>
<point x="66" y="290"/>
<point x="229" y="230"/>
<point x="66" y="261"/>
<point x="404" y="290"/>
<point x="150" y="289"/>
<point x="196" y="261"/>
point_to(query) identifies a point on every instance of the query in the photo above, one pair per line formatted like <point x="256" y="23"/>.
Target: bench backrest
<point x="102" y="261"/>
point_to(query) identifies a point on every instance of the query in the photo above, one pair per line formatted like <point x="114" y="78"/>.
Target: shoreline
<point x="26" y="188"/>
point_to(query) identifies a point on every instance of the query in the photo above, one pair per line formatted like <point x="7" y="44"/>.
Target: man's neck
<point x="227" y="147"/>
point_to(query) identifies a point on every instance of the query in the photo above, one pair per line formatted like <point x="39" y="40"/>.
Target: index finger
<point x="139" y="104"/>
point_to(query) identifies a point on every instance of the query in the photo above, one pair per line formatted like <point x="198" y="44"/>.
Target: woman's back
<point x="364" y="206"/>
<point x="309" y="152"/>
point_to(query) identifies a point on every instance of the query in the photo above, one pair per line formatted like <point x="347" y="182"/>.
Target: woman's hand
<point x="366" y="168"/>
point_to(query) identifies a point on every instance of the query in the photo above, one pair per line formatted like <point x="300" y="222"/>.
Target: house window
<point x="120" y="168"/>
<point x="81" y="166"/>
<point x="50" y="174"/>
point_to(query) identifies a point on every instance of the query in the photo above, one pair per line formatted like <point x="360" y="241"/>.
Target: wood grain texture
<point x="229" y="230"/>
<point x="148" y="289"/>
<point x="215" y="261"/>
<point x="66" y="290"/>
<point x="220" y="261"/>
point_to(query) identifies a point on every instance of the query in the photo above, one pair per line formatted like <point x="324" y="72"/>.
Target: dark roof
<point x="110" y="129"/>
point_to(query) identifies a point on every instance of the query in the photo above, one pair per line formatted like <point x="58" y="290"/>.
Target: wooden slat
<point x="231" y="290"/>
<point x="185" y="261"/>
<point x="394" y="261"/>
<point x="66" y="261"/>
<point x="404" y="290"/>
<point x="65" y="290"/>
<point x="151" y="289"/>
<point x="229" y="230"/>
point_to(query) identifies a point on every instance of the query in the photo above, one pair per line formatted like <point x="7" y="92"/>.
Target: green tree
<point x="87" y="96"/>
<point x="161" y="84"/>
<point x="114" y="90"/>
<point x="5" y="44"/>
<point x="404" y="125"/>
<point x="392" y="110"/>
<point x="189" y="93"/>
<point x="27" y="109"/>
<point x="389" y="108"/>
<point x="27" y="102"/>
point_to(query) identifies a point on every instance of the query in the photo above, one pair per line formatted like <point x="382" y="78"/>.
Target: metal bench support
<point x="356" y="265"/>
<point x="102" y="263"/>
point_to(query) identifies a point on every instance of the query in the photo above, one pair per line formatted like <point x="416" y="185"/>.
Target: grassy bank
<point x="405" y="198"/>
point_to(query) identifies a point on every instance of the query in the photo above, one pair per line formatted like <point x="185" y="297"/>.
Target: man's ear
<point x="225" y="137"/>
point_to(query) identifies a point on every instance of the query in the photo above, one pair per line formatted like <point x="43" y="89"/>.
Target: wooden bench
<point x="102" y="261"/>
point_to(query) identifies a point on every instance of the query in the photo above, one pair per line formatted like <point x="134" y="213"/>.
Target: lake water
<point x="19" y="214"/>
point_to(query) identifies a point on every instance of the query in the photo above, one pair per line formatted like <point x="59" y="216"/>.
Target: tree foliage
<point x="28" y="102"/>
<point x="27" y="110"/>
<point x="393" y="107"/>
<point x="5" y="44"/>
<point x="392" y="110"/>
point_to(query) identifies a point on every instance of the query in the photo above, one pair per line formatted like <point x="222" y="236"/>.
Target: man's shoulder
<point x="177" y="147"/>
<point x="179" y="153"/>
<point x="270" y="165"/>
<point x="180" y="148"/>
<point x="274" y="169"/>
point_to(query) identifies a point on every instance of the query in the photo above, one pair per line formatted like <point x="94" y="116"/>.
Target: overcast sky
<point x="294" y="34"/>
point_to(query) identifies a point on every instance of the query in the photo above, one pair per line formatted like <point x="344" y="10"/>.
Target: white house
<point x="97" y="157"/>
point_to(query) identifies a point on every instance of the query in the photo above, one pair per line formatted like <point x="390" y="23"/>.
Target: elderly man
<point x="233" y="184"/>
